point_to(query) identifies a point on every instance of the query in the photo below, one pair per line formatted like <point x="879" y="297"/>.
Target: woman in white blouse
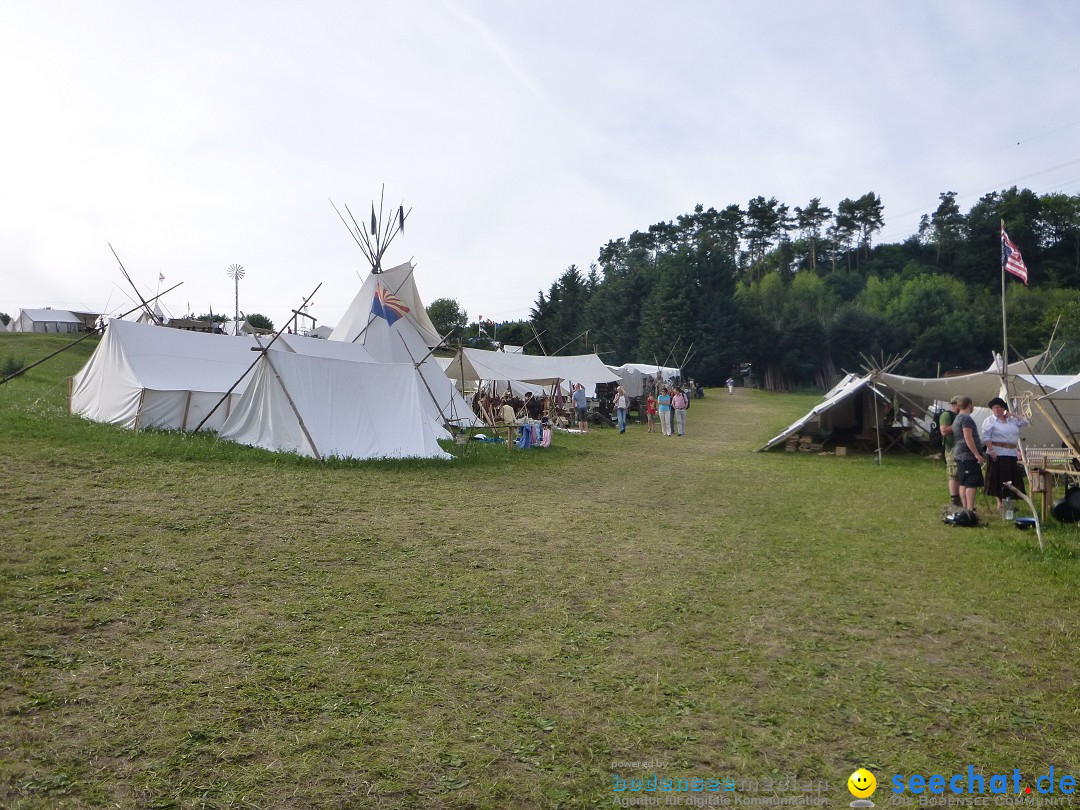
<point x="1001" y="434"/>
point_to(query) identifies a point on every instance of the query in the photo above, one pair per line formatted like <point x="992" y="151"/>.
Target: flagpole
<point x="1004" y="324"/>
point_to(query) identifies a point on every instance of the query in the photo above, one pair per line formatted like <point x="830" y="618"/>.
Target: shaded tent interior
<point x="848" y="415"/>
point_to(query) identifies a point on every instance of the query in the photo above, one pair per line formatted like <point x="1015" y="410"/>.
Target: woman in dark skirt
<point x="1001" y="433"/>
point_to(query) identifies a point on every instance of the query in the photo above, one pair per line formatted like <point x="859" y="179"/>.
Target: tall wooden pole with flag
<point x="1013" y="262"/>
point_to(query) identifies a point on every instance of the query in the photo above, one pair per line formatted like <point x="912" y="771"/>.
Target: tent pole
<point x="877" y="426"/>
<point x="295" y="410"/>
<point x="145" y="305"/>
<point x="232" y="388"/>
<point x="536" y="337"/>
<point x="569" y="342"/>
<point x="1004" y="325"/>
<point x="1035" y="512"/>
<point x="448" y="423"/>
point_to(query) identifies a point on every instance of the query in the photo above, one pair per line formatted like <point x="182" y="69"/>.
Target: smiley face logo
<point x="862" y="784"/>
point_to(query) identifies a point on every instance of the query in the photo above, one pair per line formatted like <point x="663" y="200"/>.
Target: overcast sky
<point x="523" y="136"/>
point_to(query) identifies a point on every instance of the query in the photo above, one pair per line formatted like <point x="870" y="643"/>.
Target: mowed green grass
<point x="187" y="623"/>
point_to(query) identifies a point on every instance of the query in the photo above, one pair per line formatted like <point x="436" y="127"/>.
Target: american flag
<point x="386" y="305"/>
<point x="1011" y="259"/>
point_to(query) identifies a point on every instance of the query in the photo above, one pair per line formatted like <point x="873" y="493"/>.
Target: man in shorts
<point x="581" y="407"/>
<point x="948" y="442"/>
<point x="968" y="453"/>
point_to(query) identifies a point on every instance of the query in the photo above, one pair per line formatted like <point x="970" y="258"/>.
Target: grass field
<point x="188" y="623"/>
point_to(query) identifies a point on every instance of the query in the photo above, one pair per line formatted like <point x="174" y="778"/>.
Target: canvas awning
<point x="479" y="364"/>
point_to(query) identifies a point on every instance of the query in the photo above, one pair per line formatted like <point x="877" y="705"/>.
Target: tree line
<point x="792" y="296"/>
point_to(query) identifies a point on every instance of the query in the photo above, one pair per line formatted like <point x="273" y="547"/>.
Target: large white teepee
<point x="388" y="319"/>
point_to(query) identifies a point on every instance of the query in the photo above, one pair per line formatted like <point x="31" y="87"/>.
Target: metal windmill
<point x="236" y="272"/>
<point x="374" y="240"/>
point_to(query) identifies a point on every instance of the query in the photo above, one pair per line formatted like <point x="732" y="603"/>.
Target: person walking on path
<point x="663" y="403"/>
<point x="622" y="405"/>
<point x="680" y="402"/>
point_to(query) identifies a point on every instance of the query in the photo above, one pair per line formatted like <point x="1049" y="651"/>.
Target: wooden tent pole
<point x="145" y="305"/>
<point x="416" y="366"/>
<point x="232" y="387"/>
<point x="877" y="425"/>
<point x="292" y="404"/>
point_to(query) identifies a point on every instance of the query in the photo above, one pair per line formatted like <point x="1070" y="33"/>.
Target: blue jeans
<point x="622" y="419"/>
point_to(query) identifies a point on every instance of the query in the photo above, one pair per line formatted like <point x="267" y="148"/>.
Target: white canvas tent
<point x="983" y="386"/>
<point x="408" y="339"/>
<point x="343" y="402"/>
<point x="324" y="406"/>
<point x="143" y="376"/>
<point x="479" y="364"/>
<point x="47" y="320"/>
<point x="157" y="317"/>
<point x="1059" y="398"/>
<point x="844" y="408"/>
<point x="635" y="376"/>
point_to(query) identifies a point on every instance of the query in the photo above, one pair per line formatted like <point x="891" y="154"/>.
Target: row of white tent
<point x="1052" y="400"/>
<point x="537" y="374"/>
<point x="372" y="390"/>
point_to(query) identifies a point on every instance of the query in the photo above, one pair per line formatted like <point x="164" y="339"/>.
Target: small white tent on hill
<point x="47" y="320"/>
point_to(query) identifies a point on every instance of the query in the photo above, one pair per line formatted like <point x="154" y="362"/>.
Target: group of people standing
<point x="966" y="450"/>
<point x="671" y="406"/>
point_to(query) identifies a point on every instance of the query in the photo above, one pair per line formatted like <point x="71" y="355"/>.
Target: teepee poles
<point x="375" y="239"/>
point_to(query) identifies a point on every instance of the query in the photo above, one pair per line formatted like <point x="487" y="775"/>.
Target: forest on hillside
<point x="789" y="297"/>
